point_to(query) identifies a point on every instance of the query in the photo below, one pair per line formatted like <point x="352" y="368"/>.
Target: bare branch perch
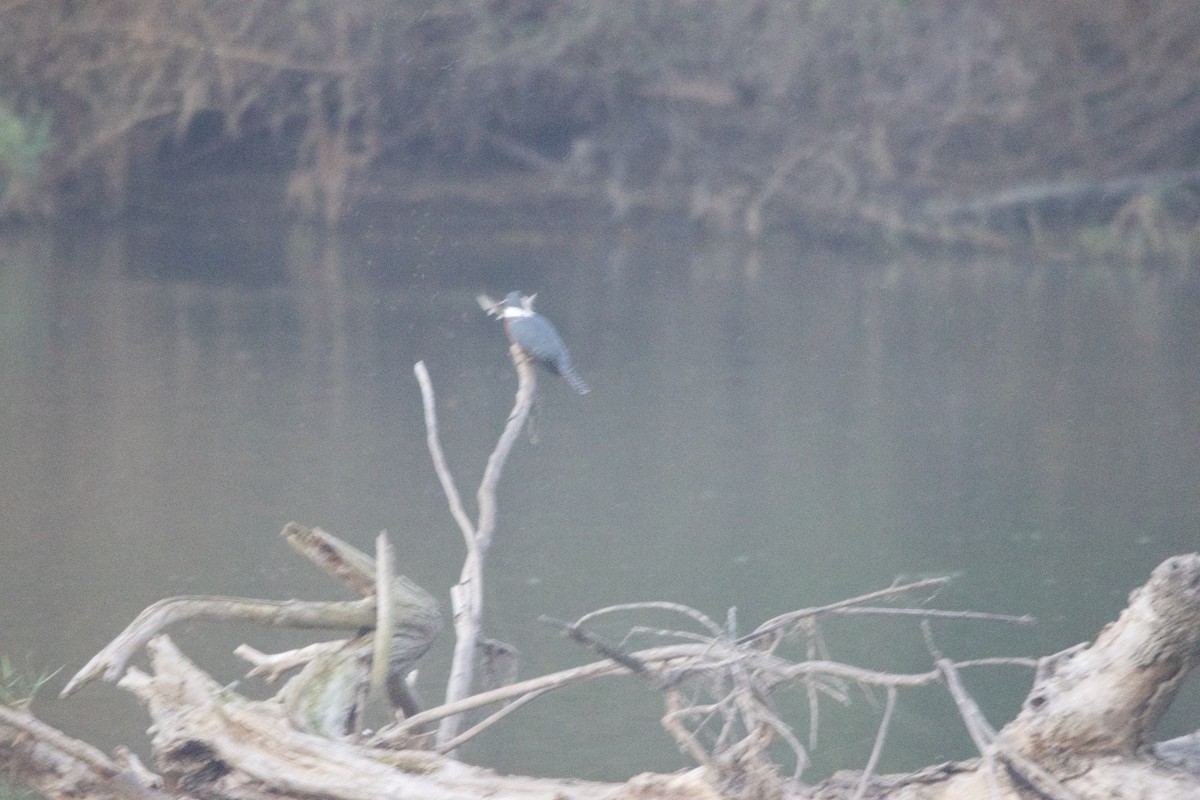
<point x="467" y="595"/>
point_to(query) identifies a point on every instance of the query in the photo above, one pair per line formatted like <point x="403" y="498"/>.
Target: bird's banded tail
<point x="572" y="377"/>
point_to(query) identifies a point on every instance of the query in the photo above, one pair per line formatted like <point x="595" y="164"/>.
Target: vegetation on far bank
<point x="1070" y="125"/>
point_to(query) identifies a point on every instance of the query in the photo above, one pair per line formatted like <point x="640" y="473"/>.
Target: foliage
<point x="18" y="686"/>
<point x="860" y="111"/>
<point x="24" y="139"/>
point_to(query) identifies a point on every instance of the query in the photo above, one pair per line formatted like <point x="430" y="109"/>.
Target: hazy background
<point x="865" y="291"/>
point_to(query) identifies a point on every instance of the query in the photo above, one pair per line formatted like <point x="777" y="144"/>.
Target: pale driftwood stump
<point x="1085" y="728"/>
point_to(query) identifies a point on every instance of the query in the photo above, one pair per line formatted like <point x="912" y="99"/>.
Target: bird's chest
<point x="535" y="336"/>
<point x="523" y="331"/>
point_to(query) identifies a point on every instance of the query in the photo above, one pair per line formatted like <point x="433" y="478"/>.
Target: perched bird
<point x="535" y="334"/>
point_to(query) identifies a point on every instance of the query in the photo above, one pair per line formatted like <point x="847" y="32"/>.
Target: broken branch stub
<point x="1129" y="675"/>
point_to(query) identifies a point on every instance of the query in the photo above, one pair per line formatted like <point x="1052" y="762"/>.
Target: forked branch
<point x="467" y="595"/>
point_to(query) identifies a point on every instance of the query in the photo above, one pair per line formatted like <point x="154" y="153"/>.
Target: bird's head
<point x="517" y="305"/>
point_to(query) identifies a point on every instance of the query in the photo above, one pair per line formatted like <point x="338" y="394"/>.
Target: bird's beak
<point x="492" y="307"/>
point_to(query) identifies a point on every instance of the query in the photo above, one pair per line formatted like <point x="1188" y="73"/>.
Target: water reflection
<point x="767" y="430"/>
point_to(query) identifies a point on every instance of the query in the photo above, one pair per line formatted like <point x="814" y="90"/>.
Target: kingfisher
<point x="537" y="336"/>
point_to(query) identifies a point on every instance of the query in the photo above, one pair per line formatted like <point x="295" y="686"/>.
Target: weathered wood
<point x="58" y="766"/>
<point x="1130" y="674"/>
<point x="1084" y="732"/>
<point x="329" y="693"/>
<point x="109" y="662"/>
<point x="1089" y="719"/>
<point x="466" y="596"/>
<point x="217" y="743"/>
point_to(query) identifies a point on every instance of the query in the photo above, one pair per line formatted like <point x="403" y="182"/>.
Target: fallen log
<point x="1085" y="731"/>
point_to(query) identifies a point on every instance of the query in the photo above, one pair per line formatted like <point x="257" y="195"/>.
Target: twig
<point x="861" y="675"/>
<point x="984" y="735"/>
<point x="488" y="722"/>
<point x="814" y="648"/>
<point x="785" y="732"/>
<point x="699" y="616"/>
<point x="998" y="661"/>
<point x="522" y="403"/>
<point x="665" y="633"/>
<point x="880" y="737"/>
<point x="270" y="667"/>
<point x="783" y="620"/>
<point x="554" y="680"/>
<point x="439" y="458"/>
<point x="934" y="613"/>
<point x="684" y="738"/>
<point x="981" y="731"/>
<point x="978" y="728"/>
<point x="465" y="596"/>
<point x="656" y="657"/>
<point x="583" y="636"/>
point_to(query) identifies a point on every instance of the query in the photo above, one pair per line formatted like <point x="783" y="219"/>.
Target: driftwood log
<point x="328" y="695"/>
<point x="1085" y="731"/>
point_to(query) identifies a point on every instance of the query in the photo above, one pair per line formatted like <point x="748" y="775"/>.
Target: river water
<point x="768" y="430"/>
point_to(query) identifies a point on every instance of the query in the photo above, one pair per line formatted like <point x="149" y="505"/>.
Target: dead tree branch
<point x="467" y="595"/>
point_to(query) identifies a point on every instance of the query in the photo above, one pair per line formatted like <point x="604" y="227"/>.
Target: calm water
<point x="767" y="431"/>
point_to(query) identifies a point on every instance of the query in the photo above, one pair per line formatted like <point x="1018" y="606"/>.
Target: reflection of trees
<point x="858" y="114"/>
